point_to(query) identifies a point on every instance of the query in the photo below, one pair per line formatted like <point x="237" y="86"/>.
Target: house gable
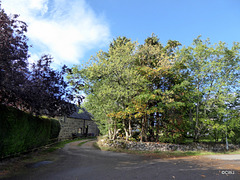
<point x="77" y="123"/>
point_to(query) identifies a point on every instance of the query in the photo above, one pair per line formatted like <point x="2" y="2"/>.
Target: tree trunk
<point x="196" y="132"/>
<point x="127" y="135"/>
<point x="125" y="129"/>
<point x="130" y="128"/>
<point x="109" y="134"/>
<point x="144" y="132"/>
<point x="115" y="129"/>
<point x="151" y="137"/>
<point x="141" y="136"/>
<point x="157" y="127"/>
<point x="112" y="129"/>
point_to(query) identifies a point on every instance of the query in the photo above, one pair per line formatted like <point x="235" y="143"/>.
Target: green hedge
<point x="20" y="132"/>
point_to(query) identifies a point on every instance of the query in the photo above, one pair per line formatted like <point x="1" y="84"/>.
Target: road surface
<point x="87" y="163"/>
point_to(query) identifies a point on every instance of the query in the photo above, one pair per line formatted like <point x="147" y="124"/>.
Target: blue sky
<point x="180" y="20"/>
<point x="73" y="30"/>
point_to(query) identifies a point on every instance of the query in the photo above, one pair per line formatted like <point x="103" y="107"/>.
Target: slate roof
<point x="83" y="115"/>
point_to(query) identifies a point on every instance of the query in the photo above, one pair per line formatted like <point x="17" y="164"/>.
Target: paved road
<point x="86" y="163"/>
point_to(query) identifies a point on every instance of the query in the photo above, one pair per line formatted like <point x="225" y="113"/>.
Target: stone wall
<point x="151" y="146"/>
<point x="71" y="125"/>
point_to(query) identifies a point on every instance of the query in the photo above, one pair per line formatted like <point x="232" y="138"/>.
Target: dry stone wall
<point x="151" y="146"/>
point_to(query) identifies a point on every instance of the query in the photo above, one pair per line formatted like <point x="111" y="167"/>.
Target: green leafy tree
<point x="213" y="73"/>
<point x="162" y="92"/>
<point x="110" y="80"/>
<point x="162" y="98"/>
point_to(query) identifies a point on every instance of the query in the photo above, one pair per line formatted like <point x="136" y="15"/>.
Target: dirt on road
<point x="86" y="162"/>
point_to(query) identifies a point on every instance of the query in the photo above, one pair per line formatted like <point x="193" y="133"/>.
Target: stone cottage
<point x="79" y="123"/>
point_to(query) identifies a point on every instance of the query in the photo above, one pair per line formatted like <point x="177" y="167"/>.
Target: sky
<point x="71" y="31"/>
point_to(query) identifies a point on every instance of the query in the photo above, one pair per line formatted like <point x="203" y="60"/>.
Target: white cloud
<point x="66" y="29"/>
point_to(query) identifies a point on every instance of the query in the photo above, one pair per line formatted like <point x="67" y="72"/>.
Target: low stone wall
<point x="151" y="146"/>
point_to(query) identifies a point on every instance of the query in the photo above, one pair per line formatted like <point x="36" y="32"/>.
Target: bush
<point x="21" y="132"/>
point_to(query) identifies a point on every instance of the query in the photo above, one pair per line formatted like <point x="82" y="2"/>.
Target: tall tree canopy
<point x="129" y="87"/>
<point x="110" y="81"/>
<point x="214" y="75"/>
<point x="152" y="92"/>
